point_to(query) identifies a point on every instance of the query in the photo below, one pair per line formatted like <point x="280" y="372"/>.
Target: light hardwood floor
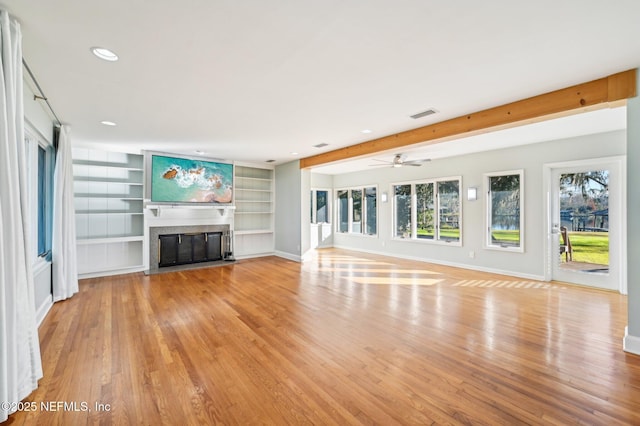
<point x="348" y="338"/>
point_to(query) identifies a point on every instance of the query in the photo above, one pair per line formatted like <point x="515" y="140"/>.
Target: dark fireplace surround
<point x="203" y="244"/>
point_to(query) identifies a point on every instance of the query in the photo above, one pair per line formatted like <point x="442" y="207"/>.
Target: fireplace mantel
<point x="156" y="209"/>
<point x="162" y="218"/>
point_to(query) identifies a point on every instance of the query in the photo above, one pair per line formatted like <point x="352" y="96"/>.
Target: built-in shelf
<point x="254" y="216"/>
<point x="254" y="231"/>
<point x="108" y="198"/>
<point x="108" y="240"/>
<point x="125" y="212"/>
<point x="262" y="212"/>
<point x="107" y="180"/>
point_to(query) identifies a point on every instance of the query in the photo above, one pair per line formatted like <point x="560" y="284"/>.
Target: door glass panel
<point x="584" y="222"/>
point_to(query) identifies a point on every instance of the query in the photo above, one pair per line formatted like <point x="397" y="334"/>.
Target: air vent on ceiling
<point x="423" y="113"/>
<point x="270" y="161"/>
<point x="321" y="145"/>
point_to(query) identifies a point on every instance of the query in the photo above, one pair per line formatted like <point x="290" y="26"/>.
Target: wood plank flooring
<point x="348" y="338"/>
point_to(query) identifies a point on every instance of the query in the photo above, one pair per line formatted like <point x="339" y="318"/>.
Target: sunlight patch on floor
<point x="505" y="284"/>
<point x="394" y="281"/>
<point x="383" y="271"/>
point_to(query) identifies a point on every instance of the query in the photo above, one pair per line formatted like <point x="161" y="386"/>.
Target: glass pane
<point x="425" y="209"/>
<point x="42" y="201"/>
<point x="449" y="203"/>
<point x="322" y="215"/>
<point x="356" y="215"/>
<point x="584" y="221"/>
<point x="343" y="211"/>
<point x="402" y="195"/>
<point x="371" y="220"/>
<point x="505" y="210"/>
<point x="311" y="207"/>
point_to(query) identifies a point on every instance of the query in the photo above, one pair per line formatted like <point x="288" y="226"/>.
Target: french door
<point x="585" y="222"/>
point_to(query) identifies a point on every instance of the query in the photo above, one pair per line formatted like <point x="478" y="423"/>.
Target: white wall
<point x="288" y="226"/>
<point x="321" y="233"/>
<point x="632" y="338"/>
<point x="37" y="115"/>
<point x="471" y="167"/>
<point x="40" y="120"/>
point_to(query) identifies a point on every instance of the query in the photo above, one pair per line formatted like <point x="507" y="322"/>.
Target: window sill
<point x="40" y="265"/>
<point x="505" y="249"/>
<point x="429" y="241"/>
<point x="356" y="234"/>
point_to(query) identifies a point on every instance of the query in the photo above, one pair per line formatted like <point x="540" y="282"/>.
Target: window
<point x="42" y="201"/>
<point x="357" y="210"/>
<point x="425" y="208"/>
<point x="504" y="210"/>
<point x="402" y="197"/>
<point x="319" y="206"/>
<point x="449" y="210"/>
<point x="343" y="211"/>
<point x="428" y="210"/>
<point x="371" y="205"/>
<point x="40" y="158"/>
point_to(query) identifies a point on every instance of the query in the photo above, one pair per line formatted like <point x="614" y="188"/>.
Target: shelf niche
<point x="108" y="200"/>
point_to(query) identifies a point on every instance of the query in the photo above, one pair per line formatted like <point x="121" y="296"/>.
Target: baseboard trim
<point x="452" y="264"/>
<point x="630" y="343"/>
<point x="111" y="272"/>
<point x="285" y="255"/>
<point x="43" y="310"/>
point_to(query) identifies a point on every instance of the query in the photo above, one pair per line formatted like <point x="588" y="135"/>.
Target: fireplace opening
<point x="183" y="249"/>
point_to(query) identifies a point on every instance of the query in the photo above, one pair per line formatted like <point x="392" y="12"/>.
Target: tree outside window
<point x="343" y="211"/>
<point x="425" y="211"/>
<point x="402" y="195"/>
<point x="504" y="213"/>
<point x="434" y="207"/>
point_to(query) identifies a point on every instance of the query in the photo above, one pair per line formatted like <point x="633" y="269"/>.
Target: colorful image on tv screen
<point x="181" y="180"/>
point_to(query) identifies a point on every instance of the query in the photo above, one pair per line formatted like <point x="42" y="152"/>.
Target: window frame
<point x="413" y="234"/>
<point x="34" y="141"/>
<point x="314" y="206"/>
<point x="363" y="210"/>
<point x="488" y="244"/>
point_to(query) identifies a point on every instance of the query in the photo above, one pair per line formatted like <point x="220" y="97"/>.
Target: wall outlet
<point x="472" y="254"/>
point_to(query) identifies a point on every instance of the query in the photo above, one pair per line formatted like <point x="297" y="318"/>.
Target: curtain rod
<point x="42" y="95"/>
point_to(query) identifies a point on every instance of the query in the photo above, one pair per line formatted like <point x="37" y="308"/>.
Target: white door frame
<point x="618" y="262"/>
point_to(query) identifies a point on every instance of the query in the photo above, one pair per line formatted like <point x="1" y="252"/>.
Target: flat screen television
<point x="183" y="180"/>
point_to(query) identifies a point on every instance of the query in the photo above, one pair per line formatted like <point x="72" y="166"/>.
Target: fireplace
<point x="183" y="249"/>
<point x="182" y="245"/>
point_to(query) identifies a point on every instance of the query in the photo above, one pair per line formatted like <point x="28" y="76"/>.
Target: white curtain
<point x="65" y="267"/>
<point x="20" y="363"/>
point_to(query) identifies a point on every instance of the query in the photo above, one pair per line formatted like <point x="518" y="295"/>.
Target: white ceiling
<point x="255" y="80"/>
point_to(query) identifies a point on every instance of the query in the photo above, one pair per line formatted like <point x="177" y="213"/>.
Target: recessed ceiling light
<point x="294" y="153"/>
<point x="108" y="123"/>
<point x="366" y="131"/>
<point x="199" y="152"/>
<point x="321" y="145"/>
<point x="104" y="54"/>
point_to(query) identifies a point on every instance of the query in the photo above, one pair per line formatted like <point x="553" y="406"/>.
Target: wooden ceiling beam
<point x="601" y="92"/>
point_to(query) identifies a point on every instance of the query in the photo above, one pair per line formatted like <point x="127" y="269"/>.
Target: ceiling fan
<point x="400" y="160"/>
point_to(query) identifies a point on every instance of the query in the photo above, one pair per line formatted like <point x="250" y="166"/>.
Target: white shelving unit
<point x="108" y="194"/>
<point x="254" y="214"/>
